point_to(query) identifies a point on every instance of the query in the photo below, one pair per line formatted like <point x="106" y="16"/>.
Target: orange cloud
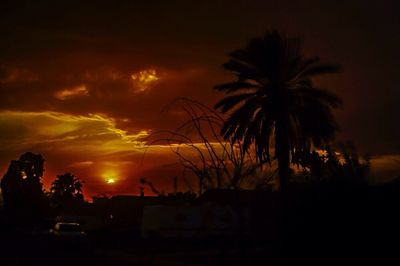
<point x="70" y="93"/>
<point x="144" y="80"/>
<point x="97" y="131"/>
<point x="15" y="74"/>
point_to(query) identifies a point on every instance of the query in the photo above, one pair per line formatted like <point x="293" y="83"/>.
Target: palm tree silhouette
<point x="67" y="189"/>
<point x="273" y="100"/>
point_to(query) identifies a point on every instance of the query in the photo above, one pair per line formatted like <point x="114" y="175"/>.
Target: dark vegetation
<point x="274" y="125"/>
<point x="274" y="97"/>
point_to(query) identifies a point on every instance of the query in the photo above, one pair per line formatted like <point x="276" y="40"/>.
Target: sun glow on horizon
<point x="110" y="181"/>
<point x="110" y="176"/>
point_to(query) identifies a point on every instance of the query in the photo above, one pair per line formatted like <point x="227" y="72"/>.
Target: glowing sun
<point x="110" y="181"/>
<point x="110" y="176"/>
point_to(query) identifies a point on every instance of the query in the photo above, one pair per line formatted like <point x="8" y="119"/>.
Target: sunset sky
<point x="84" y="82"/>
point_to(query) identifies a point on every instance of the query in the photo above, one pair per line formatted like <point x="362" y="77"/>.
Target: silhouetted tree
<point x="274" y="98"/>
<point x="66" y="191"/>
<point x="201" y="149"/>
<point x="21" y="186"/>
<point x="150" y="184"/>
<point x="341" y="164"/>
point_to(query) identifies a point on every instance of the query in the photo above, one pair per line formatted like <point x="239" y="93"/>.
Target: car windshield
<point x="69" y="227"/>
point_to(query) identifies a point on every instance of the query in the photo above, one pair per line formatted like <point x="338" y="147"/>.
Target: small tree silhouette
<point x="66" y="191"/>
<point x="21" y="186"/>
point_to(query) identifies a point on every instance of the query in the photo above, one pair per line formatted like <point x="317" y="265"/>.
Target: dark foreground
<point x="26" y="249"/>
<point x="34" y="250"/>
<point x="324" y="226"/>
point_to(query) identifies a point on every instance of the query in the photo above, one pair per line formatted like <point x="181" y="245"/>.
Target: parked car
<point x="68" y="232"/>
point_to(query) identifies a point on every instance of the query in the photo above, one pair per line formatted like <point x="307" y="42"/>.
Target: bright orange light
<point x="110" y="176"/>
<point x="110" y="181"/>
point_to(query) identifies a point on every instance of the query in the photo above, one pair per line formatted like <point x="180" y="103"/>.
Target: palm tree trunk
<point x="282" y="153"/>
